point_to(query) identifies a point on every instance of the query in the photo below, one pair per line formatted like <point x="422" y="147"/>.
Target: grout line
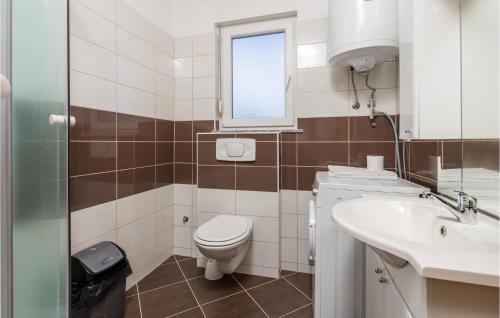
<point x="297" y="288"/>
<point x="246" y="291"/>
<point x="293" y="311"/>
<point x="191" y="289"/>
<point x="181" y="312"/>
<point x="138" y="299"/>
<point x="157" y="288"/>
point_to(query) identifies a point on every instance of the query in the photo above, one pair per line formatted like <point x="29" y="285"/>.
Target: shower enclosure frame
<point x="6" y="157"/>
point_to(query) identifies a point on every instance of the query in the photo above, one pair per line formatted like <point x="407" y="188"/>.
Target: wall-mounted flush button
<point x="235" y="149"/>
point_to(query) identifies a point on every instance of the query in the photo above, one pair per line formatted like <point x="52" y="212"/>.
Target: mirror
<point x="472" y="163"/>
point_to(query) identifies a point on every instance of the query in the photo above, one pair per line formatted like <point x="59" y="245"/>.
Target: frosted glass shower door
<point x="39" y="62"/>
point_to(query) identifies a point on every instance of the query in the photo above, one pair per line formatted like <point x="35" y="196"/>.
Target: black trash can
<point x="98" y="276"/>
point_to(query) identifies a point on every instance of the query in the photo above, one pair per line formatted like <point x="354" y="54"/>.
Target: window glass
<point x="258" y="73"/>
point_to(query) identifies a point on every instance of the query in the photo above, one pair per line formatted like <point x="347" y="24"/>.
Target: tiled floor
<point x="179" y="289"/>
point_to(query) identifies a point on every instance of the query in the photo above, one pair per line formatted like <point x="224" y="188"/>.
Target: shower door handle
<point x="60" y="120"/>
<point x="5" y="87"/>
<point x="312" y="233"/>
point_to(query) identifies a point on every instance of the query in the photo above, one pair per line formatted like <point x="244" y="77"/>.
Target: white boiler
<point x="362" y="33"/>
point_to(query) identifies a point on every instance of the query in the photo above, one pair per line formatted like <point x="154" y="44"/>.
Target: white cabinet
<point x="382" y="297"/>
<point x="429" y="69"/>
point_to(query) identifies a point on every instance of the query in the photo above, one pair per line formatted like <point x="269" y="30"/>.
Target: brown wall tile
<point x="164" y="152"/>
<point x="290" y="137"/>
<point x="183" y="173"/>
<point x="92" y="157"/>
<point x="257" y="179"/>
<point x="323" y="129"/>
<point x="183" y="152"/>
<point x="216" y="177"/>
<point x="322" y="154"/>
<point x="90" y="190"/>
<point x="183" y="131"/>
<point x="258" y="137"/>
<point x="359" y="150"/>
<point x="206" y="154"/>
<point x="202" y="126"/>
<point x="164" y="130"/>
<point x="135" y="181"/>
<point x="288" y="178"/>
<point x="135" y="128"/>
<point x="164" y="175"/>
<point x="266" y="155"/>
<point x="451" y="154"/>
<point x="288" y="154"/>
<point x="135" y="154"/>
<point x="481" y="153"/>
<point x="93" y="124"/>
<point x="360" y="129"/>
<point x="213" y="137"/>
<point x="306" y="177"/>
<point x="423" y="160"/>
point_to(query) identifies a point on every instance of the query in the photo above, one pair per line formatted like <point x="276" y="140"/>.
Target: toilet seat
<point x="223" y="230"/>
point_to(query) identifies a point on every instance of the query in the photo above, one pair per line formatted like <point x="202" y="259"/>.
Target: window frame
<point x="227" y="34"/>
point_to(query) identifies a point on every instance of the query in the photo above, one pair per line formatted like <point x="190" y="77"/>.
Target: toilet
<point x="224" y="240"/>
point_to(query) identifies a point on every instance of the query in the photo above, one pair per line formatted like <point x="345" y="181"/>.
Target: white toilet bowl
<point x="224" y="240"/>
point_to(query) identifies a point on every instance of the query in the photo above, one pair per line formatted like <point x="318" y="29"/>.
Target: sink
<point x="424" y="233"/>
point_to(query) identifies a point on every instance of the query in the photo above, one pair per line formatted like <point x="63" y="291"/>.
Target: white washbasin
<point x="411" y="228"/>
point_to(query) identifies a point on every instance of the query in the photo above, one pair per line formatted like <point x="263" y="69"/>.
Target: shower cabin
<point x="34" y="158"/>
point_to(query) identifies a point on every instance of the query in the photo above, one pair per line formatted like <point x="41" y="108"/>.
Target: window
<point x="257" y="74"/>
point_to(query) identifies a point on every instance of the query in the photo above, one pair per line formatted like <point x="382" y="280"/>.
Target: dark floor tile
<point x="167" y="301"/>
<point x="181" y="258"/>
<point x="303" y="282"/>
<point x="284" y="273"/>
<point x="249" y="281"/>
<point x="169" y="260"/>
<point x="237" y="306"/>
<point x="132" y="308"/>
<point x="278" y="298"/>
<point x="161" y="276"/>
<point x="192" y="313"/>
<point x="209" y="290"/>
<point x="306" y="312"/>
<point x="190" y="269"/>
<point x="131" y="291"/>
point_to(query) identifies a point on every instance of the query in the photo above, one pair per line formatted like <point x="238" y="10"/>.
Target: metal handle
<point x="4" y="87"/>
<point x="312" y="233"/>
<point x="288" y="81"/>
<point x="60" y="120"/>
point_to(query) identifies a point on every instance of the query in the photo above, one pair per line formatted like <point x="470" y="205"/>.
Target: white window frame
<point x="230" y="32"/>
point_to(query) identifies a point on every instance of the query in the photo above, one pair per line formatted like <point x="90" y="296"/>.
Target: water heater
<point x="362" y="32"/>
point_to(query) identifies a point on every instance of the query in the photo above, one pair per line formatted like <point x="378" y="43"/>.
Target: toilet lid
<point x="222" y="228"/>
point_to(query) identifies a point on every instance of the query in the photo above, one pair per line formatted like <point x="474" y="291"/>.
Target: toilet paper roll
<point x="375" y="163"/>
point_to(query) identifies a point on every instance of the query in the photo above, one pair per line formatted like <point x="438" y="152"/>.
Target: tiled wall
<point x="122" y="96"/>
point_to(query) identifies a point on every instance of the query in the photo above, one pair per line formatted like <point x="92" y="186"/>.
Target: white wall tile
<point x="303" y="202"/>
<point x="383" y="75"/>
<point x="134" y="22"/>
<point x="135" y="101"/>
<point x="288" y="201"/>
<point x="329" y="104"/>
<point x="258" y="271"/>
<point x="165" y="108"/>
<point x="165" y="241"/>
<point x="204" y="44"/>
<point x="135" y="75"/>
<point x="265" y="229"/>
<point x="106" y="8"/>
<point x="183" y="109"/>
<point x="135" y="207"/>
<point x="311" y="31"/>
<point x="303" y="227"/>
<point x="289" y="250"/>
<point x="142" y="255"/>
<point x="263" y="254"/>
<point x="303" y="251"/>
<point x="182" y="251"/>
<point x="322" y="79"/>
<point x="289" y="266"/>
<point x="184" y="67"/>
<point x="164" y="219"/>
<point x="180" y="211"/>
<point x="164" y="42"/>
<point x="86" y="224"/>
<point x="133" y="234"/>
<point x="204" y="87"/>
<point x="305" y="268"/>
<point x="312" y="55"/>
<point x="184" y="88"/>
<point x="92" y="59"/>
<point x="215" y="200"/>
<point x="182" y="237"/>
<point x="135" y="49"/>
<point x="204" y="65"/>
<point x="204" y="217"/>
<point x="257" y="203"/>
<point x="204" y="109"/>
<point x="164" y="197"/>
<point x="289" y="225"/>
<point x="164" y="64"/>
<point x="164" y="86"/>
<point x="183" y="194"/>
<point x="110" y="236"/>
<point x="184" y="47"/>
<point x="92" y="92"/>
<point x="89" y="25"/>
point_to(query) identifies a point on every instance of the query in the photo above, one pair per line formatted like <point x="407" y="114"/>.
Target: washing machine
<point x="339" y="259"/>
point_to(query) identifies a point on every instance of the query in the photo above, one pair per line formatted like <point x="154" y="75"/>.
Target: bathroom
<point x="320" y="158"/>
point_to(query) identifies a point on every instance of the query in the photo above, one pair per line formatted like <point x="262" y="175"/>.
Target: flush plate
<point x="235" y="149"/>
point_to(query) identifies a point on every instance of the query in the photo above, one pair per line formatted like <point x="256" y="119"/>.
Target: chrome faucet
<point x="464" y="209"/>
